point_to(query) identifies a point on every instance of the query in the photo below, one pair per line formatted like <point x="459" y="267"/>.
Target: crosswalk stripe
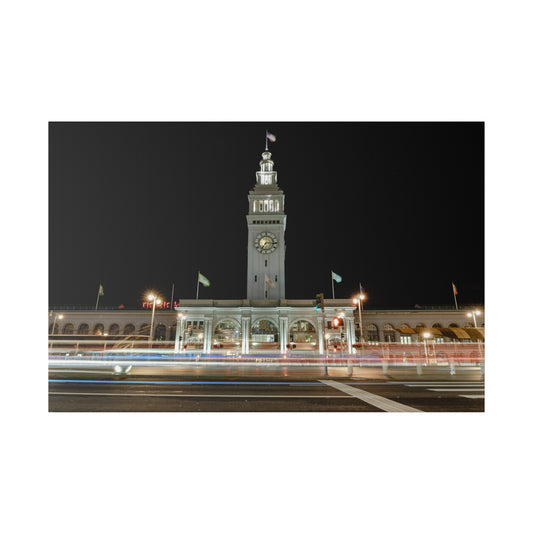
<point x="373" y="399"/>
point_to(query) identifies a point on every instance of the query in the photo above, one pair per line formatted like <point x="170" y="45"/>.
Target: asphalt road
<point x="234" y="387"/>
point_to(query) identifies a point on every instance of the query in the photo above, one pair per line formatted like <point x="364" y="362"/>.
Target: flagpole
<point x="197" y="284"/>
<point x="361" y="294"/>
<point x="97" y="298"/>
<point x="266" y="141"/>
<point x="172" y="297"/>
<point x="332" y="286"/>
<point x="455" y="297"/>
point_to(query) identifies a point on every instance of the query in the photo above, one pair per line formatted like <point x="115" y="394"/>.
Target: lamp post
<point x="155" y="300"/>
<point x="182" y="317"/>
<point x="426" y="337"/>
<point x="342" y="315"/>
<point x="473" y="315"/>
<point x="358" y="300"/>
<point x="56" y="317"/>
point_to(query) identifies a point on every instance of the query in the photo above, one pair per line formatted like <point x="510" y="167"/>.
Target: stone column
<point x="283" y="334"/>
<point x="350" y="333"/>
<point x="177" y="338"/>
<point x="207" y="335"/>
<point x="320" y="331"/>
<point x="245" y="334"/>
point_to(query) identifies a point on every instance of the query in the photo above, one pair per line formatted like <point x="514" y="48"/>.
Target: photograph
<point x="266" y="267"/>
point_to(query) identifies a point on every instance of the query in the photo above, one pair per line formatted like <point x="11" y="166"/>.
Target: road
<point x="264" y="388"/>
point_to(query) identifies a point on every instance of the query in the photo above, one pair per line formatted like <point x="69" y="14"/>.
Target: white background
<point x="272" y="60"/>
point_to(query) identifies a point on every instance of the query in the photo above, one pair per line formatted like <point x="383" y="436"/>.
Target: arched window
<point x="129" y="329"/>
<point x="227" y="333"/>
<point x="468" y="325"/>
<point x="436" y="325"/>
<point x="420" y="325"/>
<point x="405" y="338"/>
<point x="388" y="333"/>
<point x="145" y="330"/>
<point x="98" y="329"/>
<point x="83" y="329"/>
<point x="264" y="330"/>
<point x="373" y="333"/>
<point x="114" y="329"/>
<point x="160" y="332"/>
<point x="68" y="329"/>
<point x="453" y="325"/>
<point x="303" y="331"/>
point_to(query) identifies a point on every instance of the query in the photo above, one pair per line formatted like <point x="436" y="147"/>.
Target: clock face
<point x="266" y="242"/>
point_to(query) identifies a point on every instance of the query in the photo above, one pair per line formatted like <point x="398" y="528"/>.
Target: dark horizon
<point x="398" y="207"/>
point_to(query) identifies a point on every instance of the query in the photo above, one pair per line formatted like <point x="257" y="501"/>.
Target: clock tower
<point x="266" y="235"/>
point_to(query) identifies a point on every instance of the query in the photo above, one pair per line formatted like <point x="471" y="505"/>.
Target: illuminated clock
<point x="266" y="242"/>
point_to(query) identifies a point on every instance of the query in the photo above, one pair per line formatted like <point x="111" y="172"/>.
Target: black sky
<point x="138" y="206"/>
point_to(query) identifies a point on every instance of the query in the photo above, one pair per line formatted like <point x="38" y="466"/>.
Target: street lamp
<point x="182" y="317"/>
<point x="426" y="336"/>
<point x="342" y="315"/>
<point x="473" y="315"/>
<point x="155" y="300"/>
<point x="358" y="301"/>
<point x="56" y="317"/>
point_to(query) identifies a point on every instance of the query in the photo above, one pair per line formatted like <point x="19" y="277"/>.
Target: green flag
<point x="335" y="277"/>
<point x="203" y="280"/>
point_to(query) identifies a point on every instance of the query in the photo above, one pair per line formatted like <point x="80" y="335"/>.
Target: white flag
<point x="271" y="137"/>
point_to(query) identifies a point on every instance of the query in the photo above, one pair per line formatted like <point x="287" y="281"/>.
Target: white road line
<point x="473" y="396"/>
<point x="372" y="399"/>
<point x="448" y="384"/>
<point x="456" y="390"/>
<point x="193" y="395"/>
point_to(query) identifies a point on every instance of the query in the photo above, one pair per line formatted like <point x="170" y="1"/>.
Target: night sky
<point x="398" y="207"/>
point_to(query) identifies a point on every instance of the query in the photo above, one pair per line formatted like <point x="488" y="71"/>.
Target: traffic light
<point x="342" y="336"/>
<point x="336" y="322"/>
<point x="319" y="301"/>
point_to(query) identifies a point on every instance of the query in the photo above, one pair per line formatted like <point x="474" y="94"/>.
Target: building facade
<point x="266" y="320"/>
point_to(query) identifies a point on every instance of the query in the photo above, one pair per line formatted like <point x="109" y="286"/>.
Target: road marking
<point x="447" y="384"/>
<point x="473" y="396"/>
<point x="456" y="390"/>
<point x="372" y="399"/>
<point x="193" y="395"/>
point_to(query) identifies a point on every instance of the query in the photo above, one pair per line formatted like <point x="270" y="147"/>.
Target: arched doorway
<point x="227" y="334"/>
<point x="264" y="335"/>
<point x="303" y="335"/>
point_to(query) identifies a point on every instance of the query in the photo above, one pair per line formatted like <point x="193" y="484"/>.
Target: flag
<point x="101" y="290"/>
<point x="455" y="289"/>
<point x="268" y="281"/>
<point x="203" y="280"/>
<point x="335" y="277"/>
<point x="271" y="137"/>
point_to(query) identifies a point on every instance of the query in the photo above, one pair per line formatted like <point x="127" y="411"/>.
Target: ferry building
<point x="266" y="320"/>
